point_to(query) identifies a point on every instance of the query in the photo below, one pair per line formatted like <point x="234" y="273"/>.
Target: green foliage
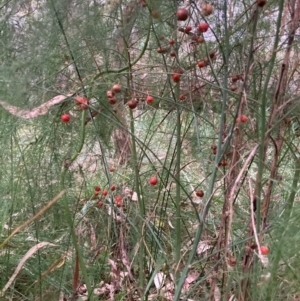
<point x="77" y="48"/>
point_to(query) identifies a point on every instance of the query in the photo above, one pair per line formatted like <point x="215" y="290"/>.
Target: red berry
<point x="200" y="40"/>
<point x="153" y="181"/>
<point x="253" y="246"/>
<point x="232" y="261"/>
<point x="118" y="201"/>
<point x="213" y="146"/>
<point x="182" y="14"/>
<point x="84" y="106"/>
<point x="214" y="151"/>
<point x="200" y="193"/>
<point x="161" y="50"/>
<point x="182" y="97"/>
<point x="81" y="100"/>
<point x="261" y="3"/>
<point x="201" y="64"/>
<point x="188" y="29"/>
<point x="244" y="118"/>
<point x="116" y="88"/>
<point x="100" y="204"/>
<point x="264" y="250"/>
<point x="65" y="118"/>
<point x="171" y="42"/>
<point x="96" y="193"/>
<point x="207" y="9"/>
<point x="224" y="163"/>
<point x="113" y="187"/>
<point x="234" y="78"/>
<point x="233" y="87"/>
<point x="176" y="77"/>
<point x="132" y="104"/>
<point x="118" y="198"/>
<point x="179" y="71"/>
<point x="172" y="53"/>
<point x="149" y="99"/>
<point x="97" y="188"/>
<point x="112" y="100"/>
<point x="105" y="192"/>
<point x="287" y="121"/>
<point x="212" y="55"/>
<point x="203" y="27"/>
<point x="110" y="94"/>
<point x="111" y="169"/>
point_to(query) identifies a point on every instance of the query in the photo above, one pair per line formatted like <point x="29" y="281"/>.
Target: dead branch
<point x="38" y="111"/>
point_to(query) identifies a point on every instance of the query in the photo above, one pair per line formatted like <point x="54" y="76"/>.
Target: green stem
<point x="203" y="214"/>
<point x="178" y="184"/>
<point x="263" y="115"/>
<point x="131" y="64"/>
<point x="141" y="254"/>
<point x="67" y="211"/>
<point x="73" y="158"/>
<point x="140" y="200"/>
<point x="285" y="218"/>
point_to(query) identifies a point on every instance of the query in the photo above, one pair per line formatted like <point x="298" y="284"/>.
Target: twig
<point x="232" y="195"/>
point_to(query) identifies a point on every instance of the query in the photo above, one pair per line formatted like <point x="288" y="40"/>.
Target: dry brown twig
<point x="29" y="254"/>
<point x="33" y="218"/>
<point x="38" y="111"/>
<point x="232" y="194"/>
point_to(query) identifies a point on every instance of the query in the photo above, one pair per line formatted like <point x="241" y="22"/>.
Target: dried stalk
<point x="276" y="113"/>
